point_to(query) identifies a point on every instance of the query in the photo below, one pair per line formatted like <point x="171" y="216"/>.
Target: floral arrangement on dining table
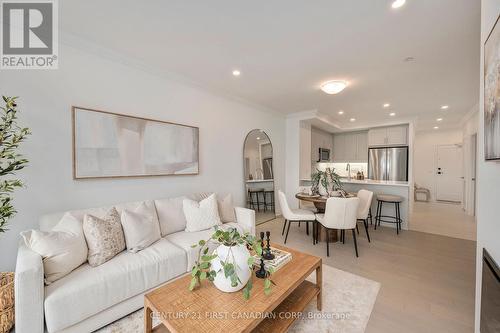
<point x="326" y="183"/>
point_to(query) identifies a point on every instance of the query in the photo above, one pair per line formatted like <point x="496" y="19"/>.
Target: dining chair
<point x="341" y="214"/>
<point x="365" y="202"/>
<point x="293" y="215"/>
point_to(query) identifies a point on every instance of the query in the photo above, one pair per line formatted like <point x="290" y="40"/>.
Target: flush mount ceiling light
<point x="439" y="119"/>
<point x="386" y="105"/>
<point x="352" y="120"/>
<point x="258" y="138"/>
<point x="398" y="4"/>
<point x="341" y="112"/>
<point x="236" y="72"/>
<point x="436" y="127"/>
<point x="333" y="87"/>
<point x="445" y="107"/>
<point x="392" y="114"/>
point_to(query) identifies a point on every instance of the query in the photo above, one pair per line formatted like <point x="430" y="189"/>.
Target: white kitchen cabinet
<point x="377" y="136"/>
<point x="350" y="147"/>
<point x="397" y="135"/>
<point x="383" y="136"/>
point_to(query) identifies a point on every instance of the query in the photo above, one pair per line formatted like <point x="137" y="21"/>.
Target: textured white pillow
<point x="140" y="228"/>
<point x="201" y="215"/>
<point x="224" y="202"/>
<point x="62" y="250"/>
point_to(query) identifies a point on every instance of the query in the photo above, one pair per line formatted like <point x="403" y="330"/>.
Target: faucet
<point x="348" y="169"/>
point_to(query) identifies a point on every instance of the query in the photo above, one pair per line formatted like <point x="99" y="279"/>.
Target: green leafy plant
<point x="328" y="179"/>
<point x="202" y="270"/>
<point x="11" y="135"/>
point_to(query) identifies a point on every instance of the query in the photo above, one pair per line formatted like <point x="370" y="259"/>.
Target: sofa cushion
<point x="89" y="290"/>
<point x="224" y="204"/>
<point x="170" y="215"/>
<point x="184" y="240"/>
<point x="201" y="215"/>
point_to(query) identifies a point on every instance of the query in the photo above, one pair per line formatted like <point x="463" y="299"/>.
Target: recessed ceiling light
<point x="439" y="119"/>
<point x="236" y="72"/>
<point x="436" y="127"/>
<point x="392" y="114"/>
<point x="409" y="59"/>
<point x="333" y="87"/>
<point x="444" y="107"/>
<point x="341" y="112"/>
<point x="352" y="119"/>
<point x="386" y="105"/>
<point x="258" y="138"/>
<point x="398" y="3"/>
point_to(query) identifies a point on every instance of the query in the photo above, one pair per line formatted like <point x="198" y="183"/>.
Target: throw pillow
<point x="201" y="215"/>
<point x="62" y="250"/>
<point x="140" y="228"/>
<point x="224" y="203"/>
<point x="104" y="237"/>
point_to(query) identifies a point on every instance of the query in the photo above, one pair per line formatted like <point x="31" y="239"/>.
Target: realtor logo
<point x="29" y="35"/>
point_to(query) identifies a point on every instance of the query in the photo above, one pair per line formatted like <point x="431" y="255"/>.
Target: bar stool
<point x="269" y="203"/>
<point x="253" y="193"/>
<point x="391" y="199"/>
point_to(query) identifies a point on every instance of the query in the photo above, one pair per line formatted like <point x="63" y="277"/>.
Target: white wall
<point x="470" y="126"/>
<point x="488" y="177"/>
<point x="86" y="80"/>
<point x="424" y="154"/>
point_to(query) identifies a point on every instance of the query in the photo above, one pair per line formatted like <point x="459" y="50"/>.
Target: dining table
<point x="319" y="202"/>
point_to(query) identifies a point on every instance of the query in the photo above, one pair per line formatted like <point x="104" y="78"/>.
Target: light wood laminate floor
<point x="427" y="281"/>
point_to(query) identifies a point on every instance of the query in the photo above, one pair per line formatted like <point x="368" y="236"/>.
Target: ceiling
<point x="286" y="48"/>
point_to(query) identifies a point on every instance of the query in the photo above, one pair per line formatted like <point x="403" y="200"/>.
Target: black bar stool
<point x="391" y="199"/>
<point x="254" y="194"/>
<point x="269" y="194"/>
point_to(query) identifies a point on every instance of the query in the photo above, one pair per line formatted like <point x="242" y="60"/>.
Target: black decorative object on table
<point x="266" y="253"/>
<point x="261" y="273"/>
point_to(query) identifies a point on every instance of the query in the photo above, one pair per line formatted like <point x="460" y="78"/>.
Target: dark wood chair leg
<point x="357" y="229"/>
<point x="355" y="243"/>
<point x="377" y="215"/>
<point x="396" y="211"/>
<point x="299" y="224"/>
<point x="307" y="228"/>
<point x="365" y="222"/>
<point x="287" y="230"/>
<point x="284" y="226"/>
<point x="327" y="243"/>
<point x="370" y="215"/>
<point x="343" y="236"/>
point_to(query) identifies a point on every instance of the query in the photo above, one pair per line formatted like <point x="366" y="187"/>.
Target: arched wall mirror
<point x="259" y="175"/>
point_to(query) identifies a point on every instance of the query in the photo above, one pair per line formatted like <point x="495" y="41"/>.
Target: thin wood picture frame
<point x="124" y="146"/>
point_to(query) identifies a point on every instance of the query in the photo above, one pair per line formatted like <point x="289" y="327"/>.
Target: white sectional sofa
<point x="91" y="297"/>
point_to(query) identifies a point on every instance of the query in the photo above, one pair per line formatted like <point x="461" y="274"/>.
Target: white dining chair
<point x="341" y="214"/>
<point x="293" y="215"/>
<point x="365" y="203"/>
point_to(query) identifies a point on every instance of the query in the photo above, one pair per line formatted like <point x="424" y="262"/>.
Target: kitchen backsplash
<point x="340" y="168"/>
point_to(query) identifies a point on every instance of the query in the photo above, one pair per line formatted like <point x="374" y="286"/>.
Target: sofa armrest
<point x="29" y="291"/>
<point x="246" y="218"/>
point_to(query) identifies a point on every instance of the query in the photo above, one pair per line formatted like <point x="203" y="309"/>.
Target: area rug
<point x="348" y="301"/>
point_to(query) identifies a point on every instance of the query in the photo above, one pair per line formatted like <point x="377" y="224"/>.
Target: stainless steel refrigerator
<point x="388" y="163"/>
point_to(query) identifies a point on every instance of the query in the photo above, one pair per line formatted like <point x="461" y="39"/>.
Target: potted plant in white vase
<point x="230" y="266"/>
<point x="326" y="183"/>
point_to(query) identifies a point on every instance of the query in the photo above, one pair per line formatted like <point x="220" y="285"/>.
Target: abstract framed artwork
<point x="492" y="94"/>
<point x="109" y="145"/>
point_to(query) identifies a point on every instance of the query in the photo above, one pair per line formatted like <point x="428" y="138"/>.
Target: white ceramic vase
<point x="237" y="255"/>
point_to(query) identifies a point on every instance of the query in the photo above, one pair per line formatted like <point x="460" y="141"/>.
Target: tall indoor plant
<point x="11" y="136"/>
<point x="230" y="266"/>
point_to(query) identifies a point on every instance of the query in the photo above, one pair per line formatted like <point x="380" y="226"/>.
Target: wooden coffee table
<point x="209" y="309"/>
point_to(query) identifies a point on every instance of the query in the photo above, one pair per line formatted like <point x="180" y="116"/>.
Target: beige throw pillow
<point x="62" y="250"/>
<point x="201" y="215"/>
<point x="224" y="204"/>
<point x="140" y="228"/>
<point x="104" y="237"/>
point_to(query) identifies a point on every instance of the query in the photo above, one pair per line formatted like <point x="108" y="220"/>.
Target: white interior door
<point x="449" y="173"/>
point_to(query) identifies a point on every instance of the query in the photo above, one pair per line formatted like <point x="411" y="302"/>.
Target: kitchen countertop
<point x="370" y="182"/>
<point x="375" y="182"/>
<point x="260" y="180"/>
